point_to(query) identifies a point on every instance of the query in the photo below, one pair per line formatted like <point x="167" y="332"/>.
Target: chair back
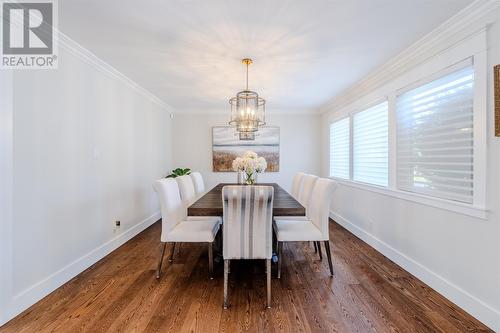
<point x="306" y="189"/>
<point x="247" y="227"/>
<point x="296" y="184"/>
<point x="197" y="179"/>
<point x="186" y="188"/>
<point x="172" y="209"/>
<point x="318" y="211"/>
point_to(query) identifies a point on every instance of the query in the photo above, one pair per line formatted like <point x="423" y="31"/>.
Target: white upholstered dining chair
<point x="176" y="227"/>
<point x="302" y="186"/>
<point x="247" y="228"/>
<point x="297" y="184"/>
<point x="314" y="228"/>
<point x="199" y="185"/>
<point x="186" y="188"/>
<point x="306" y="189"/>
<point x="189" y="195"/>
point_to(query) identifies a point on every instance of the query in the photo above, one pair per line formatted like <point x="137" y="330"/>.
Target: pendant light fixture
<point x="247" y="110"/>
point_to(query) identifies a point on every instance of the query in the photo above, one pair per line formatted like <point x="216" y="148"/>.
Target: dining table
<point x="210" y="204"/>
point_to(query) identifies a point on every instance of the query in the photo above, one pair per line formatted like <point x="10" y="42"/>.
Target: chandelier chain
<point x="247" y="75"/>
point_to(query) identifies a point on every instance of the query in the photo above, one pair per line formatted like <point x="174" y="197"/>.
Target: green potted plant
<point x="179" y="172"/>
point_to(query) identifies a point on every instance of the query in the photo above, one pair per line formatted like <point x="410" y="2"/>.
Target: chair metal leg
<point x="158" y="271"/>
<point x="268" y="273"/>
<point x="275" y="242"/>
<point x="210" y="261"/>
<point x="172" y="254"/>
<point x="218" y="237"/>
<point x="315" y="247"/>
<point x="280" y="258"/>
<point x="318" y="244"/>
<point x="226" y="272"/>
<point x="329" y="255"/>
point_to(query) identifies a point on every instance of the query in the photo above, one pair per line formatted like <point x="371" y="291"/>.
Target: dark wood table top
<point x="211" y="203"/>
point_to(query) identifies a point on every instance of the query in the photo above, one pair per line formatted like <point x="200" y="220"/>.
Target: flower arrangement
<point x="250" y="164"/>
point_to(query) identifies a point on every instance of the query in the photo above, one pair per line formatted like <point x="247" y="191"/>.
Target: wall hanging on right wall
<point x="496" y="75"/>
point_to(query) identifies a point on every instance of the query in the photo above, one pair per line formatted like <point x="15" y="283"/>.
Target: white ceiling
<point x="188" y="53"/>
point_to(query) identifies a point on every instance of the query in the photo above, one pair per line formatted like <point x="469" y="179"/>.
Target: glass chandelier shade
<point x="246" y="136"/>
<point x="248" y="111"/>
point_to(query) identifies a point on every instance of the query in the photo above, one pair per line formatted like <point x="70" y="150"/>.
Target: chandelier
<point x="247" y="110"/>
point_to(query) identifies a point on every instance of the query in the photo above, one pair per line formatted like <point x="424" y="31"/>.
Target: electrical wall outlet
<point x="117" y="225"/>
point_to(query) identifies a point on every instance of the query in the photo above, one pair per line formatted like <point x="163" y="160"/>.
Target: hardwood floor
<point x="368" y="293"/>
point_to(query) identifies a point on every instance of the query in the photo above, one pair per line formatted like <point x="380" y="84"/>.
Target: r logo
<point x="27" y="28"/>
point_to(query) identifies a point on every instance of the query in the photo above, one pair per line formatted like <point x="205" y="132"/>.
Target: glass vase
<point x="240" y="180"/>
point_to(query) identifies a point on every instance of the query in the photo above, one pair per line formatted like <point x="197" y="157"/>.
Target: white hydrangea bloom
<point x="262" y="164"/>
<point x="250" y="163"/>
<point x="250" y="154"/>
<point x="238" y="164"/>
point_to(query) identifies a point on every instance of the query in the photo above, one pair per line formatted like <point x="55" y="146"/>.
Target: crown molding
<point x="69" y="44"/>
<point x="469" y="21"/>
<point x="225" y="111"/>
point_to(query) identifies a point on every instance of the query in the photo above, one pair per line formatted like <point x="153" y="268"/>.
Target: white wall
<point x="87" y="145"/>
<point x="299" y="146"/>
<point x="6" y="163"/>
<point x="456" y="254"/>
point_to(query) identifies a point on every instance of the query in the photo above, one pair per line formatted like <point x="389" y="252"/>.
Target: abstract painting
<point x="226" y="146"/>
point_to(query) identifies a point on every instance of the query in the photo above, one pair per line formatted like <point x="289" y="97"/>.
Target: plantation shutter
<point x="339" y="149"/>
<point x="370" y="145"/>
<point x="435" y="137"/>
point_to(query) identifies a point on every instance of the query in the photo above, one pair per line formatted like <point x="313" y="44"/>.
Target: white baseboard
<point x="36" y="292"/>
<point x="477" y="308"/>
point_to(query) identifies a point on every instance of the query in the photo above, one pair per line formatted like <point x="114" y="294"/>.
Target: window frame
<point x="350" y="115"/>
<point x="434" y="70"/>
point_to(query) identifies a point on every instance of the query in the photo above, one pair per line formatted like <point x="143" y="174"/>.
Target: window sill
<point x="452" y="206"/>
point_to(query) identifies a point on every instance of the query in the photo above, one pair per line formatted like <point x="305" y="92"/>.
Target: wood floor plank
<point x="368" y="293"/>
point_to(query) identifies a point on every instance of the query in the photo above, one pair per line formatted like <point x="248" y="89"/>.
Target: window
<point x="339" y="149"/>
<point x="371" y="145"/>
<point x="435" y="137"/>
